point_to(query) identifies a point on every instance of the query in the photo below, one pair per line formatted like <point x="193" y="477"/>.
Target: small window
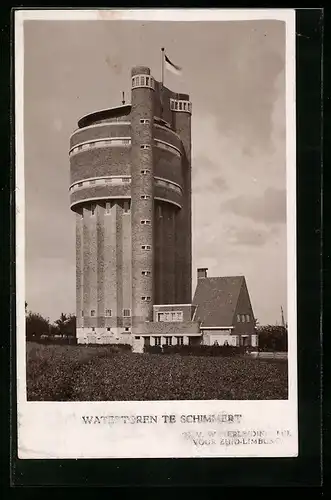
<point x="145" y="146"/>
<point x="82" y="314"/>
<point x="146" y="273"/>
<point x="238" y="318"/>
<point x="180" y="106"/>
<point x="157" y="340"/>
<point x="243" y="318"/>
<point x="248" y="318"/>
<point x="137" y="338"/>
<point x="92" y="312"/>
<point x="144" y="172"/>
<point x="180" y="340"/>
<point x="145" y="299"/>
<point x="127" y="329"/>
<point x="159" y="211"/>
<point x="93" y="209"/>
<point x="108" y="329"/>
<point x="108" y="207"/>
<point x="93" y="329"/>
<point x="145" y="222"/>
<point x="126" y="207"/>
<point x="108" y="312"/>
<point x="145" y="247"/>
<point x="147" y="80"/>
<point x="168" y="340"/>
<point x="142" y="80"/>
<point x="145" y="197"/>
<point x="126" y="313"/>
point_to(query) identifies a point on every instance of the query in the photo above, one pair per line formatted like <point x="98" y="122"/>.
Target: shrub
<point x="196" y="350"/>
<point x="153" y="349"/>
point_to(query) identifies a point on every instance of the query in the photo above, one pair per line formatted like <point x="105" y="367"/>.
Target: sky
<point x="234" y="73"/>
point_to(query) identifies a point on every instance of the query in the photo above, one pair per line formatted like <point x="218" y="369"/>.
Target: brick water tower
<point x="130" y="189"/>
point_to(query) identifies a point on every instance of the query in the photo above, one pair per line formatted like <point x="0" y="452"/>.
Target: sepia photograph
<point x="157" y="211"/>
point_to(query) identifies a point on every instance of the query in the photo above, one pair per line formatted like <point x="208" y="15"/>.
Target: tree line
<point x="37" y="325"/>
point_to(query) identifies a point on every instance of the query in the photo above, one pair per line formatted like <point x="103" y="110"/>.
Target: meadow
<point x="106" y="373"/>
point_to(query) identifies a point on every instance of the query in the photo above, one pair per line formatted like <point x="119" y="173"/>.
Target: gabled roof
<point x="216" y="300"/>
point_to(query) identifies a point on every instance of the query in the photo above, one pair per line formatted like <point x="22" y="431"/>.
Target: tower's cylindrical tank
<point x="100" y="195"/>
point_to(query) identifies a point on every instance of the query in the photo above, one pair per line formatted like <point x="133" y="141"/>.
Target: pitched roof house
<point x="224" y="309"/>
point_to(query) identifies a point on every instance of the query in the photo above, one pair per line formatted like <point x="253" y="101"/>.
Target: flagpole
<point x="162" y="66"/>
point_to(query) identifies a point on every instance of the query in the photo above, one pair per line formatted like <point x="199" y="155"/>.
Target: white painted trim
<point x="103" y="110"/>
<point x="95" y="125"/>
<point x="166" y="144"/>
<point x="167" y="201"/>
<point x="100" y="178"/>
<point x="166" y="128"/>
<point x="170" y="182"/>
<point x="162" y="120"/>
<point x="171" y="305"/>
<point x="85" y="200"/>
<point x="216" y="327"/>
<point x="105" y="177"/>
<point x="144" y="75"/>
<point x="119" y="197"/>
<point x="99" y="139"/>
<point x="180" y="334"/>
<point x="172" y="108"/>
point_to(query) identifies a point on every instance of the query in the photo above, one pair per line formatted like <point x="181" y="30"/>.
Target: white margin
<point x="36" y="420"/>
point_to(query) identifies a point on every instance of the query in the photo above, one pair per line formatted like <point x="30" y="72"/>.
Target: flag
<point x="171" y="66"/>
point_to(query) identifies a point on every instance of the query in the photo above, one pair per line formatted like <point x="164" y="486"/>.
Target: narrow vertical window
<point x="92" y="312"/>
<point x="93" y="209"/>
<point x="126" y="207"/>
<point x="108" y="208"/>
<point x="238" y="318"/>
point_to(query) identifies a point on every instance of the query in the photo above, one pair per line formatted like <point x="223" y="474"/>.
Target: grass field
<point x="79" y="373"/>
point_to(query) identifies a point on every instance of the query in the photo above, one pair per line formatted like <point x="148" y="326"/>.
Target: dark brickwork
<point x="102" y="131"/>
<point x="142" y="134"/>
<point x="99" y="162"/>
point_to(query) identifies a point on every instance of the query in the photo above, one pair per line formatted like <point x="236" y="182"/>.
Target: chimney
<point x="202" y="272"/>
